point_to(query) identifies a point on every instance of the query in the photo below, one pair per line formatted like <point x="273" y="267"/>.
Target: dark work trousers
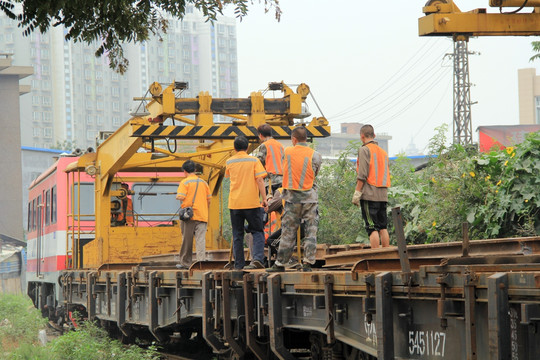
<point x="255" y="226"/>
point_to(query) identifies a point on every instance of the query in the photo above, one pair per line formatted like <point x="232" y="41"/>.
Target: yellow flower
<point x="499" y="182"/>
<point x="472" y="174"/>
<point x="496" y="191"/>
<point x="509" y="150"/>
<point x="433" y="179"/>
<point x="513" y="154"/>
<point x="434" y="224"/>
<point x="526" y="200"/>
<point x="463" y="175"/>
<point x="488" y="177"/>
<point x="506" y="163"/>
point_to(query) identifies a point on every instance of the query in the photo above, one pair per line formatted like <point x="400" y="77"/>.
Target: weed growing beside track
<point x="20" y="324"/>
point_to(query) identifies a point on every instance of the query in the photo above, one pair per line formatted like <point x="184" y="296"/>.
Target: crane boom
<point x="444" y="18"/>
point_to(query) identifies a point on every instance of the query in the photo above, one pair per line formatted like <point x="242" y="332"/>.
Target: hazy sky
<point x="365" y="62"/>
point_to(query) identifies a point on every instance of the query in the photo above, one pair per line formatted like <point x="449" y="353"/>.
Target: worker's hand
<point x="265" y="205"/>
<point x="356" y="198"/>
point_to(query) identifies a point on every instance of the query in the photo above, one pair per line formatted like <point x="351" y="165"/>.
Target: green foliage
<point x="340" y="221"/>
<point x="536" y="49"/>
<point x="20" y="322"/>
<point x="90" y="342"/>
<point x="496" y="192"/>
<point x="113" y="23"/>
<point x="64" y="145"/>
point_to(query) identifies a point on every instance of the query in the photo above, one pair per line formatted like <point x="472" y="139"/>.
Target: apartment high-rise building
<point x="75" y="95"/>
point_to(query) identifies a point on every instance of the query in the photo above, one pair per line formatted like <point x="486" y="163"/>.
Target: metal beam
<point x="476" y="23"/>
<point x="220" y="131"/>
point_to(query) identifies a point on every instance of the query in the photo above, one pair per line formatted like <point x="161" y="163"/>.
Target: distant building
<point x="529" y="96"/>
<point x="10" y="138"/>
<point x="75" y="95"/>
<point x="412" y="150"/>
<point x="501" y="136"/>
<point x="338" y="142"/>
<point x="12" y="265"/>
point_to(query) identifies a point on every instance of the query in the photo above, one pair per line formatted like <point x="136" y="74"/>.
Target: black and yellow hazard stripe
<point x="223" y="131"/>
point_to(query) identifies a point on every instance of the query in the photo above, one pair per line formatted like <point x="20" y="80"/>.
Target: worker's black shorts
<point x="374" y="215"/>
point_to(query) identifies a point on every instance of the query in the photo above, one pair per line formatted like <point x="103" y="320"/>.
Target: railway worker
<point x="126" y="217"/>
<point x="300" y="167"/>
<point x="246" y="174"/>
<point x="195" y="193"/>
<point x="373" y="181"/>
<point x="270" y="153"/>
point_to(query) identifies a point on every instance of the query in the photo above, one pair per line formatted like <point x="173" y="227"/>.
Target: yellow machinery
<point x="444" y="18"/>
<point x="121" y="152"/>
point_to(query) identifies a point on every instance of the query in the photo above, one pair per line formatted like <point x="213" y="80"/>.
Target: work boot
<point x="254" y="265"/>
<point x="276" y="268"/>
<point x="293" y="264"/>
<point x="306" y="267"/>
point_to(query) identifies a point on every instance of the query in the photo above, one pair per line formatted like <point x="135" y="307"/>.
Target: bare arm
<point x="262" y="191"/>
<point x="359" y="185"/>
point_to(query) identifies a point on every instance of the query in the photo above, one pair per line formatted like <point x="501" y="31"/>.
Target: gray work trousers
<point x="190" y="229"/>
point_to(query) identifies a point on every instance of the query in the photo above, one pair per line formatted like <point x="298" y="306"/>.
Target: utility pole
<point x="462" y="92"/>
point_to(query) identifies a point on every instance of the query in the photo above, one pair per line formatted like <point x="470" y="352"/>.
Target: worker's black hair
<point x="241" y="143"/>
<point x="189" y="166"/>
<point x="299" y="133"/>
<point x="368" y="131"/>
<point x="265" y="130"/>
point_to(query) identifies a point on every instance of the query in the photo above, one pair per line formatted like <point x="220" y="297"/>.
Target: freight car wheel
<point x="351" y="353"/>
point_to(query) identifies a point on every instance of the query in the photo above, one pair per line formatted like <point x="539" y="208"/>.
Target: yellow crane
<point x="121" y="152"/>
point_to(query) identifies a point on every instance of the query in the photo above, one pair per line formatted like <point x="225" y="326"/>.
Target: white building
<point x="75" y="95"/>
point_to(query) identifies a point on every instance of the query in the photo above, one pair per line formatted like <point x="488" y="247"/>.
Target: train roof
<point x="60" y="164"/>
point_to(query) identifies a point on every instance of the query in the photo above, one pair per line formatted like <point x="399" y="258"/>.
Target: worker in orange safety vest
<point x="126" y="217"/>
<point x="372" y="183"/>
<point x="270" y="153"/>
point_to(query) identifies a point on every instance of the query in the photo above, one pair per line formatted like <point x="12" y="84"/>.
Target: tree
<point x="114" y="22"/>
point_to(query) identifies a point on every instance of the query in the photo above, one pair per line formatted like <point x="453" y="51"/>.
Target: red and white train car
<point x="53" y="225"/>
<point x="48" y="228"/>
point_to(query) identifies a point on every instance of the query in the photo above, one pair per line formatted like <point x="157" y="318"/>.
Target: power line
<point x="436" y="107"/>
<point x="414" y="101"/>
<point x="381" y="89"/>
<point x="399" y="93"/>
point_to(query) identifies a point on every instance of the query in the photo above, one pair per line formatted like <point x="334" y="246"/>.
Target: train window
<point x="53" y="205"/>
<point x="155" y="202"/>
<point x="39" y="211"/>
<point x="34" y="214"/>
<point x="87" y="202"/>
<point x="47" y="207"/>
<point x="29" y="217"/>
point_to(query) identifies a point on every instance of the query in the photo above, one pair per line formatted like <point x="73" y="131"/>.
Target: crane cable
<point x="515" y="11"/>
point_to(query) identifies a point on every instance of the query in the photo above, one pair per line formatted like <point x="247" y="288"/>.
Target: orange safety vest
<point x="379" y="174"/>
<point x="297" y="169"/>
<point x="127" y="212"/>
<point x="271" y="226"/>
<point x="274" y="157"/>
